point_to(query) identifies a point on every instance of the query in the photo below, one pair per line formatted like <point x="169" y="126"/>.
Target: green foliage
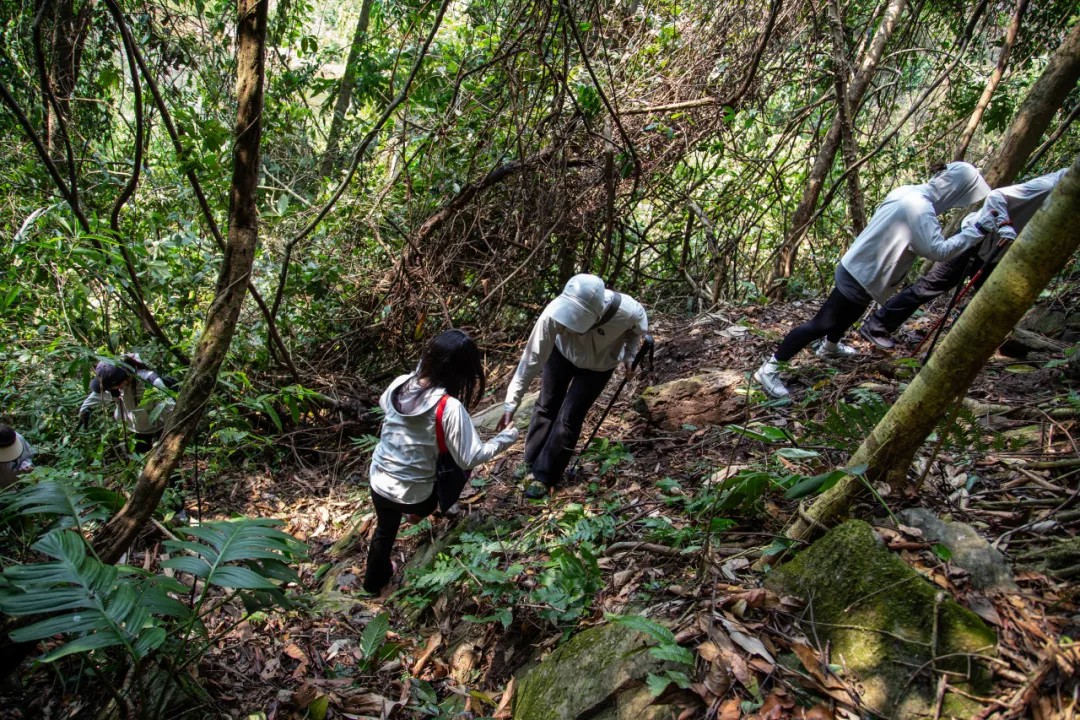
<point x="665" y="648"/>
<point x="607" y="453"/>
<point x="90" y="606"/>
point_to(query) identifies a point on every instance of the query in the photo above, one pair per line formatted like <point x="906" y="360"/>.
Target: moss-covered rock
<point x="708" y="398"/>
<point x="886" y="624"/>
<point x="599" y="673"/>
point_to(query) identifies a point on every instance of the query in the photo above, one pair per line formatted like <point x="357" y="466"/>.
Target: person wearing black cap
<point x="579" y="339"/>
<point x="120" y="384"/>
<point x="15" y="455"/>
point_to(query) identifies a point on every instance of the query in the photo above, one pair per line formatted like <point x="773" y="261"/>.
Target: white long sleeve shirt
<point x="403" y="463"/>
<point x="905" y="226"/>
<point x="601" y="348"/>
<point x="127" y="404"/>
<point x="1017" y="204"/>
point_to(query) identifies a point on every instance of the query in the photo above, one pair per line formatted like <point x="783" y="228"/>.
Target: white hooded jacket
<point x="905" y="226"/>
<point x="600" y="348"/>
<point x="403" y="464"/>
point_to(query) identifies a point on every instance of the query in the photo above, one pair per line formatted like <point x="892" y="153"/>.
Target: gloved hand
<point x="506" y="419"/>
<point x="1007" y="233"/>
<point x="84" y="420"/>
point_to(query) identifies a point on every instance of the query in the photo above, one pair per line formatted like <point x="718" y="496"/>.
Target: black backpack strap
<point x="609" y="311"/>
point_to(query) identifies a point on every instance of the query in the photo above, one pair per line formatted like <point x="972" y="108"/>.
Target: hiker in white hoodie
<point x="991" y="229"/>
<point x="904" y="227"/>
<point x="418" y="409"/>
<point x="578" y="340"/>
<point x="120" y="385"/>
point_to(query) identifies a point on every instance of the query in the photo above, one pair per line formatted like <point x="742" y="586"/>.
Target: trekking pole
<point x="646" y="349"/>
<point x="961" y="293"/>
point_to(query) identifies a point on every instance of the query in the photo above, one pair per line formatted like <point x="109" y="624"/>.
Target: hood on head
<point x="581" y="303"/>
<point x="407" y="400"/>
<point x="959" y="184"/>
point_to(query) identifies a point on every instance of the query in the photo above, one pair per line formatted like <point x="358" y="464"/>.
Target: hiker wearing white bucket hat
<point x="15" y="455"/>
<point x="579" y="339"/>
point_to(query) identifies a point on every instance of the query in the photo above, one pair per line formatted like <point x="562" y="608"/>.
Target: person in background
<point x="991" y="230"/>
<point x="432" y="401"/>
<point x="579" y="339"/>
<point x="120" y="384"/>
<point x="15" y="455"/>
<point x="904" y="227"/>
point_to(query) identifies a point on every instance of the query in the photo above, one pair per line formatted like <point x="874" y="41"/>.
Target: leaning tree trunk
<point x="784" y="265"/>
<point x="345" y="91"/>
<point x="117" y="535"/>
<point x="1040" y="105"/>
<point x="1042" y="249"/>
<point x="992" y="81"/>
<point x="1043" y="101"/>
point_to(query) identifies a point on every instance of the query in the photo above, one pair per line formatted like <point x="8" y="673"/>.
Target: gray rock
<point x="599" y="673"/>
<point x="988" y="568"/>
<point x="489" y="417"/>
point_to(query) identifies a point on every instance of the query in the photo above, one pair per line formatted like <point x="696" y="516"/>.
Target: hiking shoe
<point x="769" y="379"/>
<point x="878" y="337"/>
<point x="537" y="490"/>
<point x="840" y="351"/>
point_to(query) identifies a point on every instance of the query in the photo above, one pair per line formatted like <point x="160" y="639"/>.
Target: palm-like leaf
<point x="93" y="604"/>
<point x="73" y="502"/>
<point x="240" y="554"/>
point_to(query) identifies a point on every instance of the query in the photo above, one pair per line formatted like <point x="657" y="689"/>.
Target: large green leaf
<point x="245" y="554"/>
<point x="99" y="605"/>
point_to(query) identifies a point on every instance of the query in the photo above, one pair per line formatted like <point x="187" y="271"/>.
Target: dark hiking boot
<point x="537" y="490"/>
<point x="877" y="336"/>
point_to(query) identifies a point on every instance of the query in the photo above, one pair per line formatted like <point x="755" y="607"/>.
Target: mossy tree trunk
<point x="1042" y="249"/>
<point x="115" y="538"/>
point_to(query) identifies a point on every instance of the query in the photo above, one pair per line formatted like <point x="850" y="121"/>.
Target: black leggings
<point x="834" y="319"/>
<point x="388" y="519"/>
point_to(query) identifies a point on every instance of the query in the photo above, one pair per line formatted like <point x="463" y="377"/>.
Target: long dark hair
<point x="452" y="361"/>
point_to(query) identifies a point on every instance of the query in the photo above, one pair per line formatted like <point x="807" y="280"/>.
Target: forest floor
<point x="657" y="554"/>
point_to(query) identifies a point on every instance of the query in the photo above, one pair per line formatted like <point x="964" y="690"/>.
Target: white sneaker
<point x="840" y="351"/>
<point x="769" y="379"/>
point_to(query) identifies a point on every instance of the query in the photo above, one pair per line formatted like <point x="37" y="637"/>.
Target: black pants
<point x="388" y="519"/>
<point x="834" y="319"/>
<point x="941" y="278"/>
<point x="566" y="394"/>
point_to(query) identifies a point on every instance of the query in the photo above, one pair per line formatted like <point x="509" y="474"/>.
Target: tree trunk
<point x="784" y="264"/>
<point x="68" y="38"/>
<point x="345" y="91"/>
<point x="848" y="149"/>
<point x="1044" y="247"/>
<point x="1041" y="104"/>
<point x="992" y="82"/>
<point x="117" y="535"/>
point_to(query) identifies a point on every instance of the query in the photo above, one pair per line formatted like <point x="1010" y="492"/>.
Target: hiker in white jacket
<point x="904" y="227"/>
<point x="449" y="379"/>
<point x="579" y="339"/>
<point x="989" y="231"/>
<point x="119" y="384"/>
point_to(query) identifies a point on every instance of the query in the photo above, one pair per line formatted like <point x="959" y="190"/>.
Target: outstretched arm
<point x="464" y="443"/>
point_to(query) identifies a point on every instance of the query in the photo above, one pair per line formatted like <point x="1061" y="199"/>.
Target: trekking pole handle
<point x="645" y="349"/>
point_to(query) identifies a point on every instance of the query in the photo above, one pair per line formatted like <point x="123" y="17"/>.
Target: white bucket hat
<point x="12" y="451"/>
<point x="581" y="303"/>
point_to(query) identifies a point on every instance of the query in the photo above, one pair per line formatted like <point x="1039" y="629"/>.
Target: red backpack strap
<point x="440" y="436"/>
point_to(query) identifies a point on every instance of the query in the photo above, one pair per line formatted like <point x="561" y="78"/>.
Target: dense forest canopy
<point x="392" y="169"/>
